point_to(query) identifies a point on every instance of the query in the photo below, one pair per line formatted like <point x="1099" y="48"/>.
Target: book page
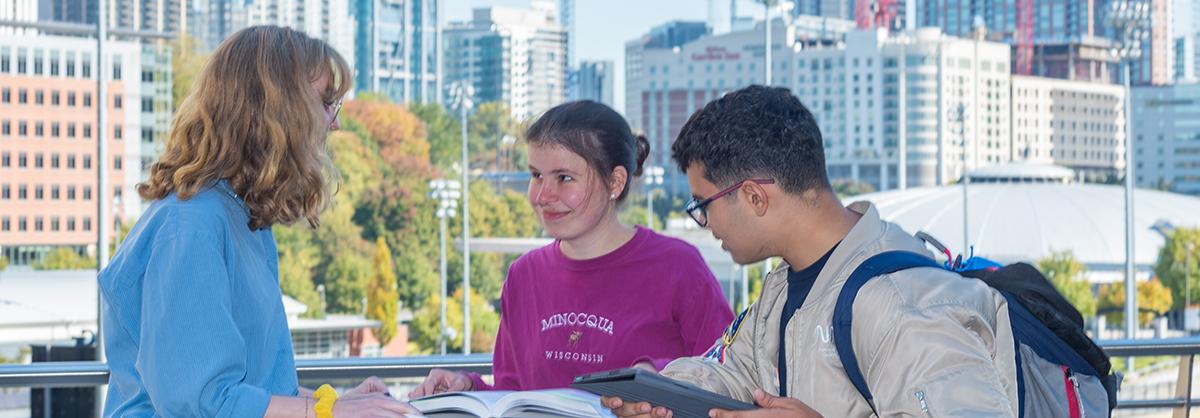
<point x="460" y="404"/>
<point x="551" y="402"/>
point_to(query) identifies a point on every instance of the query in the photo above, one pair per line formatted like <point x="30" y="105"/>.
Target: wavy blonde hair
<point x="253" y="120"/>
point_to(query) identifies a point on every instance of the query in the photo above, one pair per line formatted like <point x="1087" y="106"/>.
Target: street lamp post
<point x="960" y="118"/>
<point x="654" y="177"/>
<point x="1128" y="18"/>
<point x="446" y="192"/>
<point x="463" y="93"/>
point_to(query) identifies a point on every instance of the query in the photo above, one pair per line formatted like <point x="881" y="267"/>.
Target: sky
<point x="603" y="26"/>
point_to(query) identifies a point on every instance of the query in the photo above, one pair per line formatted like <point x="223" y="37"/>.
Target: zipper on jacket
<point x="1074" y="402"/>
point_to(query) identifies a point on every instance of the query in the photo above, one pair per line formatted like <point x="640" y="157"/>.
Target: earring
<point x="612" y="196"/>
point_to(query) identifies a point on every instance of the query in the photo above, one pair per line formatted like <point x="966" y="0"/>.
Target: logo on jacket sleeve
<point x="717" y="352"/>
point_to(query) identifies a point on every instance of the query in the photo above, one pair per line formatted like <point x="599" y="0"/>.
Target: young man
<point x="928" y="342"/>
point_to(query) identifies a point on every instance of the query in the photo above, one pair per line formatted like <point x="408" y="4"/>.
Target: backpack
<point x="1061" y="372"/>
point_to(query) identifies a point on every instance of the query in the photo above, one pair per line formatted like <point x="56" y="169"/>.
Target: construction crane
<point x="870" y="14"/>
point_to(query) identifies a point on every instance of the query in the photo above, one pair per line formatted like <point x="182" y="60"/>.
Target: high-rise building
<point x="1075" y="124"/>
<point x="1166" y="132"/>
<point x="595" y="82"/>
<point x="1185" y="29"/>
<point x="396" y="48"/>
<point x="837" y="9"/>
<point x="1067" y="40"/>
<point x="19" y="11"/>
<point x="720" y="15"/>
<point x="211" y="21"/>
<point x="663" y="37"/>
<point x="1157" y="65"/>
<point x="514" y="56"/>
<point x="945" y="99"/>
<point x="48" y="131"/>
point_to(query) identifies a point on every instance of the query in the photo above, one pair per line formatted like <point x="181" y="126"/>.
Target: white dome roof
<point x="1026" y="222"/>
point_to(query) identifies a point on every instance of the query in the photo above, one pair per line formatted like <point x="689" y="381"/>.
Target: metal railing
<point x="91" y="373"/>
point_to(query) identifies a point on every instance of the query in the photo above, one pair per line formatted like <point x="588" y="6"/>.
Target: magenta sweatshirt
<point x="653" y="299"/>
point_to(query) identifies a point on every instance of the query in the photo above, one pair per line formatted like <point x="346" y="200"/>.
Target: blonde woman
<point x="193" y="320"/>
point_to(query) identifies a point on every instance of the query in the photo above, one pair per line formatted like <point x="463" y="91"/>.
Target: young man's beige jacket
<point x="928" y="342"/>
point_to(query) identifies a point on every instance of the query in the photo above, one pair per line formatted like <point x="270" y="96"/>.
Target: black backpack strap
<point x="843" y="312"/>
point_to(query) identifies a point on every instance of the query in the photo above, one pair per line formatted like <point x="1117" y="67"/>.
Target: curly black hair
<point x="755" y="132"/>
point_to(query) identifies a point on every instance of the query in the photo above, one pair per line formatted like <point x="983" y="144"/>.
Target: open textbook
<point x="570" y="403"/>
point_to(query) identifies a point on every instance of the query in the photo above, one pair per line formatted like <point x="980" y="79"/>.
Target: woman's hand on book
<point x="370" y="385"/>
<point x="439" y="381"/>
<point x="377" y="404"/>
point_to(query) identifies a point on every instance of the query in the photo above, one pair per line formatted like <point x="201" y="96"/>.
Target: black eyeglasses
<point x="698" y="209"/>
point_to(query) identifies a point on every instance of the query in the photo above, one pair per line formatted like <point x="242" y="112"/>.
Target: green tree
<point x="298" y="257"/>
<point x="346" y="282"/>
<point x="487" y="128"/>
<point x="1179" y="258"/>
<point x="186" y="64"/>
<point x="1068" y="276"/>
<point x="485" y="323"/>
<point x="3" y="263"/>
<point x="1154" y="299"/>
<point x="63" y="258"/>
<point x="443" y="132"/>
<point x="382" y="296"/>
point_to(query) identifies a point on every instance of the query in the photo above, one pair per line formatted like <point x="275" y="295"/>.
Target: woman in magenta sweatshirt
<point x="603" y="295"/>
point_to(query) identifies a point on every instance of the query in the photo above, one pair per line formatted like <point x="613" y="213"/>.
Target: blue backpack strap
<point x="843" y="313"/>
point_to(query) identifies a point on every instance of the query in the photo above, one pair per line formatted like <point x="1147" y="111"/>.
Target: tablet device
<point x="637" y="385"/>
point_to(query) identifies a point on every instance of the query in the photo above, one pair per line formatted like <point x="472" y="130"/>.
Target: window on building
<point x="22" y="61"/>
<point x="38" y="61"/>
<point x="87" y="162"/>
<point x="39" y="192"/>
<point x="54" y="63"/>
<point x="87" y="100"/>
<point x="87" y="223"/>
<point x="87" y="192"/>
<point x="54" y="98"/>
<point x="70" y="192"/>
<point x="117" y="102"/>
<point x="70" y="223"/>
<point x="55" y="192"/>
<point x="22" y="96"/>
<point x="71" y="99"/>
<point x="117" y="162"/>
